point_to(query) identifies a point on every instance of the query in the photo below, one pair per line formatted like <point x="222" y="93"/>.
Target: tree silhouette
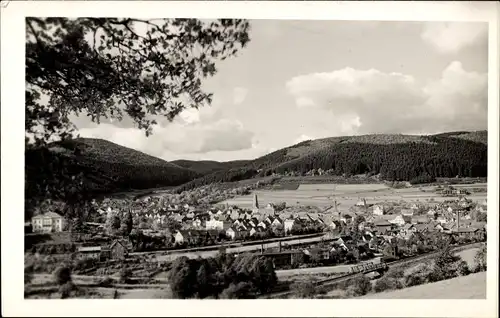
<point x="111" y="68"/>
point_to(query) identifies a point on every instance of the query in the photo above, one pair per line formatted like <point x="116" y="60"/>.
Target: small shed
<point x="118" y="250"/>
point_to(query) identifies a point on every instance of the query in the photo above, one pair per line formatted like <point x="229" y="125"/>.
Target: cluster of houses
<point x="116" y="250"/>
<point x="381" y="232"/>
<point x="238" y="224"/>
<point x="379" y="224"/>
<point x="449" y="191"/>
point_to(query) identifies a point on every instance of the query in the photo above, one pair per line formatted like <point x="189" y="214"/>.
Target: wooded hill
<point x="394" y="157"/>
<point x="110" y="168"/>
<point x="207" y="166"/>
<point x="106" y="168"/>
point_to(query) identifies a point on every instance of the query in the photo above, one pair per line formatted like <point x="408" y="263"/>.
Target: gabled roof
<point x="48" y="215"/>
<point x="407" y="226"/>
<point x="465" y="230"/>
<point x="382" y="223"/>
<point x="89" y="249"/>
<point x="222" y="218"/>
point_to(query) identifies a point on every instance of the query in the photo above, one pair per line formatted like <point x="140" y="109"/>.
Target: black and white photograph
<point x="234" y="157"/>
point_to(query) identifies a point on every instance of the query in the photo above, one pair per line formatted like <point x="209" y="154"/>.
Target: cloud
<point x="302" y="138"/>
<point x="178" y="139"/>
<point x="370" y="101"/>
<point x="304" y="102"/>
<point x="239" y="95"/>
<point x="451" y="37"/>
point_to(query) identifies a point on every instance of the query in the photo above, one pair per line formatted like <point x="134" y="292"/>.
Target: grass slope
<point x="472" y="286"/>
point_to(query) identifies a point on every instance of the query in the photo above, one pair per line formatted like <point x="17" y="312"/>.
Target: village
<point x="292" y="237"/>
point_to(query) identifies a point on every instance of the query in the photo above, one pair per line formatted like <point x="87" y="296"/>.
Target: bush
<point x="28" y="274"/>
<point x="445" y="265"/>
<point x="387" y="283"/>
<point x="66" y="289"/>
<point x="463" y="269"/>
<point x="480" y="259"/>
<point x="85" y="263"/>
<point x="62" y="275"/>
<point x="362" y="285"/>
<point x="396" y="273"/>
<point x="420" y="274"/>
<point x="106" y="282"/>
<point x="237" y="291"/>
<point x="125" y="274"/>
<point x="303" y="289"/>
<point x="414" y="280"/>
<point x="424" y="178"/>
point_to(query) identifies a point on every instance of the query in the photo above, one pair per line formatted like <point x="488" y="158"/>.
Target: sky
<point x="300" y="80"/>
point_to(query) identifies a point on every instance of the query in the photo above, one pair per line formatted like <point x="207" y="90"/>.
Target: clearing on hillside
<point x="322" y="195"/>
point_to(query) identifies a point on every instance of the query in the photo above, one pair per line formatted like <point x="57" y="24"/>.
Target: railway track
<point x="375" y="267"/>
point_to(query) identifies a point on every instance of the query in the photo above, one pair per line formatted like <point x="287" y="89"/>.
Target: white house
<point x="48" y="222"/>
<point x="214" y="224"/>
<point x="361" y="203"/>
<point x="415" y="206"/>
<point x="179" y="237"/>
<point x="262" y="224"/>
<point x="232" y="233"/>
<point x="197" y="223"/>
<point x="441" y="219"/>
<point x="408" y="212"/>
<point x="378" y="210"/>
<point x="288" y="225"/>
<point x="399" y="220"/>
<point x="255" y="230"/>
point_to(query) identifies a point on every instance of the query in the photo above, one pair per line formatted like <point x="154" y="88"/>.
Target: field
<point x="466" y="287"/>
<point x="322" y="195"/>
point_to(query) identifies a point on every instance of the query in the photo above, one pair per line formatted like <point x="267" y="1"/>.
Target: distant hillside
<point x="207" y="166"/>
<point x="476" y="136"/>
<point x="107" y="167"/>
<point x="395" y="157"/>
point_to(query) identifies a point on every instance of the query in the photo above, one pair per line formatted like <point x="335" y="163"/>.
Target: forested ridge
<point x="108" y="167"/>
<point x="104" y="166"/>
<point x="208" y="166"/>
<point x="394" y="157"/>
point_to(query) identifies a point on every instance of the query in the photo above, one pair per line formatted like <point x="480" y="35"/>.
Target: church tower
<point x="255" y="206"/>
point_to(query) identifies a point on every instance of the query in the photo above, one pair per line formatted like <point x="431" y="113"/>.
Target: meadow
<point x="472" y="286"/>
<point x="323" y="195"/>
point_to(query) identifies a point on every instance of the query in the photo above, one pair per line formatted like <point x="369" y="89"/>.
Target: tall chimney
<point x="458" y="219"/>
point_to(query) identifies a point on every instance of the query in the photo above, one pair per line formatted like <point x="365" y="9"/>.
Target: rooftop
<point x="48" y="215"/>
